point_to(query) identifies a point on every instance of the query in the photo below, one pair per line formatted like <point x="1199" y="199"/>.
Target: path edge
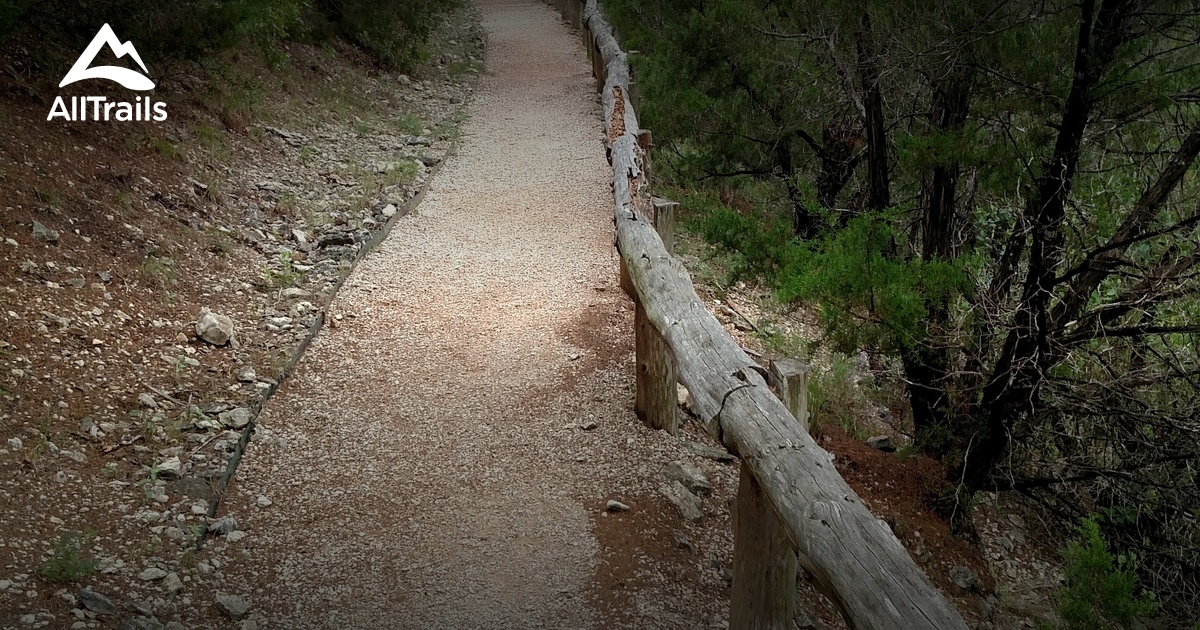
<point x="201" y="531"/>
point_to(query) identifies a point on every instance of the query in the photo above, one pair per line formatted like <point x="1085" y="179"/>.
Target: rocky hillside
<point x="156" y="282"/>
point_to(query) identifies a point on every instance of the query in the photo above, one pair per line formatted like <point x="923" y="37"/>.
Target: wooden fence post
<point x="790" y="378"/>
<point x="591" y="49"/>
<point x="601" y="71"/>
<point x="656" y="401"/>
<point x="645" y="141"/>
<point x="596" y="58"/>
<point x="587" y="41"/>
<point x="764" y="563"/>
<point x="664" y="221"/>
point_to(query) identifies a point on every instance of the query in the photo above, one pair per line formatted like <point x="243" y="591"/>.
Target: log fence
<point x="793" y="509"/>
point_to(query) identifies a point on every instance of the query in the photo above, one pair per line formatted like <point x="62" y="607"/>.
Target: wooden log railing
<point x="792" y="505"/>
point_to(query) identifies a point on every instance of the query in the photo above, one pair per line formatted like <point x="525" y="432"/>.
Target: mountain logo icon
<point x="126" y="77"/>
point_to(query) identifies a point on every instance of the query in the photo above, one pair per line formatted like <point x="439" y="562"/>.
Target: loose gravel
<point x="443" y="456"/>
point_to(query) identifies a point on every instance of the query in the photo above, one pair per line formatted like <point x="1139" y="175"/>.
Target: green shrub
<point x="409" y="124"/>
<point x="212" y="140"/>
<point x="70" y="560"/>
<point x="869" y="295"/>
<point x="1100" y="588"/>
<point x="759" y="244"/>
<point x="11" y="12"/>
<point x="835" y="396"/>
<point x="394" y="31"/>
<point x="160" y="268"/>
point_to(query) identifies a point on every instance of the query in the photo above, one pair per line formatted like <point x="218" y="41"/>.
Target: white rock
<point x="223" y="525"/>
<point x="688" y="503"/>
<point x="214" y="328"/>
<point x="965" y="578"/>
<point x="96" y="602"/>
<point x="43" y="233"/>
<point x="151" y="574"/>
<point x="235" y="418"/>
<point x="882" y="442"/>
<point x="689" y="476"/>
<point x="170" y="468"/>
<point x="172" y="582"/>
<point x="232" y="605"/>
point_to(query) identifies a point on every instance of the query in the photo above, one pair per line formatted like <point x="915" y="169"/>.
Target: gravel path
<point x="428" y="465"/>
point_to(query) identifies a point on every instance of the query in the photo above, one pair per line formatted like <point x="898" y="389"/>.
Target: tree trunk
<point x="1012" y="390"/>
<point x="951" y="102"/>
<point x="804" y="223"/>
<point x="925" y="371"/>
<point x="879" y="194"/>
<point x="839" y="156"/>
<point x="840" y="142"/>
<point x="926" y="365"/>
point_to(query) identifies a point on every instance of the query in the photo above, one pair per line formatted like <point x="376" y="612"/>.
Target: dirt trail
<point x="425" y="466"/>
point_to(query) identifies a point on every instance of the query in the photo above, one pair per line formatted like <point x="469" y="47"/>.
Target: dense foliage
<point x="392" y="30"/>
<point x="1101" y="588"/>
<point x="1000" y="196"/>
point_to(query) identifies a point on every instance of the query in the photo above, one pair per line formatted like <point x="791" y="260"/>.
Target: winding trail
<point x="425" y="466"/>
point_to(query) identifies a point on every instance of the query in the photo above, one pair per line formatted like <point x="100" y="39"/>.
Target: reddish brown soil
<point x="901" y="491"/>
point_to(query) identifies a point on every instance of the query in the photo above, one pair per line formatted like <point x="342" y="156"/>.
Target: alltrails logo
<point x="142" y="109"/>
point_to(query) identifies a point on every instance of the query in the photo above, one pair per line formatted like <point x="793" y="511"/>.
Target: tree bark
<point x="1097" y="265"/>
<point x="804" y="224"/>
<point x="839" y="157"/>
<point x="1012" y="389"/>
<point x="926" y="364"/>
<point x="879" y="194"/>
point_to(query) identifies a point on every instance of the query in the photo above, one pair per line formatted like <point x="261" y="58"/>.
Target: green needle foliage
<point x="1000" y="198"/>
<point x="394" y="31"/>
<point x="1101" y="589"/>
<point x="71" y="560"/>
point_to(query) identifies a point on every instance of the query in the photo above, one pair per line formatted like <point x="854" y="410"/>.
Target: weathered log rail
<point x="792" y="505"/>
